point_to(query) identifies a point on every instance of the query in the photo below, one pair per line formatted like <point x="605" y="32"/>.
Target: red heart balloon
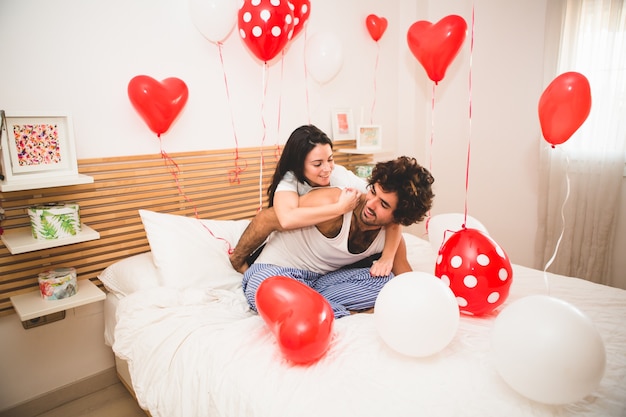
<point x="157" y="102"/>
<point x="564" y="107"/>
<point x="376" y="26"/>
<point x="477" y="269"/>
<point x="435" y="46"/>
<point x="265" y="27"/>
<point x="301" y="12"/>
<point x="298" y="316"/>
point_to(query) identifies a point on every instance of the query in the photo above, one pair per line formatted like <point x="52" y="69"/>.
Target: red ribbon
<point x="174" y="169"/>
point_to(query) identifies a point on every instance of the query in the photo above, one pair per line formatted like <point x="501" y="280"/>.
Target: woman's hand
<point x="348" y="199"/>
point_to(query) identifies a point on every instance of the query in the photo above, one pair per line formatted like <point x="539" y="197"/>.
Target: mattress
<point x="202" y="352"/>
<point x="110" y="306"/>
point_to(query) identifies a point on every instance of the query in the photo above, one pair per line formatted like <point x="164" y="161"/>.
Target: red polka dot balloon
<point x="301" y="12"/>
<point x="265" y="26"/>
<point x="477" y="270"/>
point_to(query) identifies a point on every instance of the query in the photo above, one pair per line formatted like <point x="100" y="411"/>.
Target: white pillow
<point x="193" y="253"/>
<point x="441" y="226"/>
<point x="130" y="274"/>
<point x="420" y="253"/>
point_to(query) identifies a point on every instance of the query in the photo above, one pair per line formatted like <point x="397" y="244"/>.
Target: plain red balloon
<point x="376" y="26"/>
<point x="564" y="107"/>
<point x="157" y="102"/>
<point x="265" y="28"/>
<point x="298" y="316"/>
<point x="477" y="269"/>
<point x="436" y="45"/>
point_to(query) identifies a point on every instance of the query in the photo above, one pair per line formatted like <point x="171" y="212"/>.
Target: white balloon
<point x="442" y="226"/>
<point x="416" y="314"/>
<point x="323" y="56"/>
<point x="548" y="350"/>
<point x="215" y="19"/>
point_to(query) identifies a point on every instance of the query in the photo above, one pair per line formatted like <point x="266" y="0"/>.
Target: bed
<point x="186" y="343"/>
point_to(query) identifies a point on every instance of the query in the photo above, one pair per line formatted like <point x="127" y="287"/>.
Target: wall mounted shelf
<point x="21" y="240"/>
<point x="31" y="306"/>
<point x="42" y="182"/>
<point x="363" y="151"/>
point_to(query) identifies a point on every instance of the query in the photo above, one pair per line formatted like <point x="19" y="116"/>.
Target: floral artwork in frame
<point x="36" y="146"/>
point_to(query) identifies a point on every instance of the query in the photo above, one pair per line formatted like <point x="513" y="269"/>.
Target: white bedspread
<point x="203" y="353"/>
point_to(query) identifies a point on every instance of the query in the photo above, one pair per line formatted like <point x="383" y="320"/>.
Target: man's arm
<point x="400" y="262"/>
<point x="264" y="223"/>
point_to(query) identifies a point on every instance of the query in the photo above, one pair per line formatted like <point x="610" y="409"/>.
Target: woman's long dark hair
<point x="300" y="143"/>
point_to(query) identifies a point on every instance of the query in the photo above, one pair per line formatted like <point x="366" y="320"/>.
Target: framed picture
<point x="343" y="124"/>
<point x="37" y="146"/>
<point x="369" y="137"/>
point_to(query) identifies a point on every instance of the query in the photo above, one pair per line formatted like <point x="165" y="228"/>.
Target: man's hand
<point x="239" y="264"/>
<point x="260" y="227"/>
<point x="381" y="267"/>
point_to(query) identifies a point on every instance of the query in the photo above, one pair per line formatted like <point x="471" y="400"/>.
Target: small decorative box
<point x="364" y="171"/>
<point x="55" y="220"/>
<point x="57" y="284"/>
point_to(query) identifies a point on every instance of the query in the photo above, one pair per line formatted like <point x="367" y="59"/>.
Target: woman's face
<point x="318" y="165"/>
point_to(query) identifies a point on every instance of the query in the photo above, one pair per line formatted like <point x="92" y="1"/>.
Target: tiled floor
<point x="112" y="401"/>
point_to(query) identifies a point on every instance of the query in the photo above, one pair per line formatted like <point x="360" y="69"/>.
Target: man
<point x="399" y="192"/>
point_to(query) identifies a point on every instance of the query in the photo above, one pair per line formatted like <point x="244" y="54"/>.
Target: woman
<point x="307" y="162"/>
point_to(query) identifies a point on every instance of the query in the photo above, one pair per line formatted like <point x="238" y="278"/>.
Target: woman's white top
<point x="340" y="177"/>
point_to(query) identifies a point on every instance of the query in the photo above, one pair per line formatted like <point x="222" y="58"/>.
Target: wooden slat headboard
<point x="202" y="186"/>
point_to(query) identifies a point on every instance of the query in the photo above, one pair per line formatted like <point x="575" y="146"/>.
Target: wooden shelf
<point x="43" y="182"/>
<point x="364" y="151"/>
<point x="21" y="240"/>
<point x="30" y="306"/>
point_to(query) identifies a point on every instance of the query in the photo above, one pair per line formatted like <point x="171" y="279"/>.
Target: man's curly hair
<point x="412" y="183"/>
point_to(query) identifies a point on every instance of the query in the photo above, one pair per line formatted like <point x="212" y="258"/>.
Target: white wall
<point x="78" y="56"/>
<point x="41" y="359"/>
<point x="503" y="133"/>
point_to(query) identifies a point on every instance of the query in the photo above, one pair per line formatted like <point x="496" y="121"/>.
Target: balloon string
<point x="233" y="174"/>
<point x="262" y="161"/>
<point x="280" y="97"/>
<point x="277" y="152"/>
<point x="432" y="139"/>
<point x="174" y="169"/>
<point x="280" y="93"/>
<point x="432" y="127"/>
<point x="469" y="140"/>
<point x="558" y="242"/>
<point x="306" y="78"/>
<point x="375" y="76"/>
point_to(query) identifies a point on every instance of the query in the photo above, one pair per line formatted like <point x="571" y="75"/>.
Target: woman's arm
<point x="292" y="214"/>
<point x="266" y="221"/>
